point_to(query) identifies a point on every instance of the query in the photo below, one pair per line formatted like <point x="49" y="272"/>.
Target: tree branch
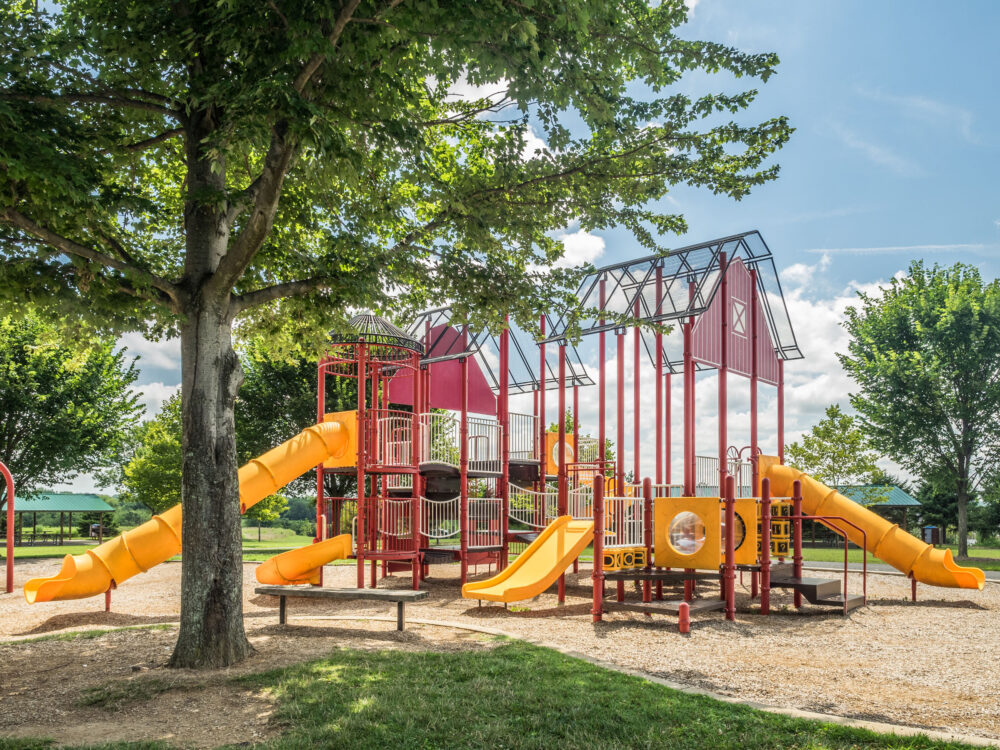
<point x="278" y="291"/>
<point x="166" y="135"/>
<point x="70" y="247"/>
<point x="83" y="98"/>
<point x="310" y="68"/>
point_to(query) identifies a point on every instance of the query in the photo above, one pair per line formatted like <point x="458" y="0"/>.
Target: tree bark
<point x="211" y="632"/>
<point x="962" y="500"/>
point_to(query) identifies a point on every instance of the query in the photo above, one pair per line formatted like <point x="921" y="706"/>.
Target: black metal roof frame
<point x="689" y="278"/>
<point x="485" y="347"/>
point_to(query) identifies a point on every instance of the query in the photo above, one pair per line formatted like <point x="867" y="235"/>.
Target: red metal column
<point x="797" y="538"/>
<point x="689" y="447"/>
<point x="765" y="546"/>
<point x="601" y="391"/>
<point x="754" y="365"/>
<point x="563" y="479"/>
<point x="781" y="411"/>
<point x="723" y="374"/>
<point x="504" y="405"/>
<point x="598" y="577"/>
<point x="729" y="572"/>
<point x="360" y="464"/>
<point x="9" y="563"/>
<point x="463" y="466"/>
<point x="320" y="411"/>
<point x="620" y="447"/>
<point x="647" y="534"/>
<point x="541" y="406"/>
<point x="668" y="432"/>
<point x="576" y="450"/>
<point x="659" y="381"/>
<point x="636" y="336"/>
<point x="415" y="478"/>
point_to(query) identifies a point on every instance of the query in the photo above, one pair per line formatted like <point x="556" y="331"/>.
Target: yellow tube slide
<point x="159" y="539"/>
<point x="883" y="539"/>
<point x="537" y="568"/>
<point x="303" y="565"/>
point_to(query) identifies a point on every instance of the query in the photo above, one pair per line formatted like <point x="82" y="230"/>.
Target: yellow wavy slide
<point x="883" y="539"/>
<point x="332" y="442"/>
<point x="537" y="568"/>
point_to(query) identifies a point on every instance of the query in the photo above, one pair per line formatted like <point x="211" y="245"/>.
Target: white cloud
<point x="463" y="89"/>
<point x="165" y="354"/>
<point x="893" y="249"/>
<point x="877" y="154"/>
<point x="801" y="274"/>
<point x="691" y="5"/>
<point x="580" y="247"/>
<point x="532" y="143"/>
<point x="931" y="111"/>
<point x="152" y="396"/>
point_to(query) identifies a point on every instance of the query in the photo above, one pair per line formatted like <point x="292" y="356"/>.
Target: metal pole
<point x="635" y="397"/>
<point x="723" y="373"/>
<point x="463" y="436"/>
<point x="689" y="447"/>
<point x="320" y="413"/>
<point x="729" y="575"/>
<point x="9" y="563"/>
<point x="647" y="534"/>
<point x="781" y="411"/>
<point x="797" y="538"/>
<point x="414" y="464"/>
<point x="360" y="463"/>
<point x="668" y="458"/>
<point x="765" y="546"/>
<point x="598" y="576"/>
<point x="505" y="438"/>
<point x="541" y="408"/>
<point x="601" y="390"/>
<point x="620" y="448"/>
<point x="563" y="478"/>
<point x="659" y="381"/>
<point x="754" y="366"/>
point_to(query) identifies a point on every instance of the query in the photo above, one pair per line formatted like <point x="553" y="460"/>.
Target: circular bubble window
<point x="739" y="527"/>
<point x="686" y="533"/>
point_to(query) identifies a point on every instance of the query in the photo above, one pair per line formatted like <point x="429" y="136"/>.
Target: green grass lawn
<point x="511" y="696"/>
<point x="985" y="559"/>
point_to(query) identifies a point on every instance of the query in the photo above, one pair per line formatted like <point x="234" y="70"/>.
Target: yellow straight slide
<point x="883" y="539"/>
<point x="537" y="568"/>
<point x="159" y="539"/>
<point x="303" y="565"/>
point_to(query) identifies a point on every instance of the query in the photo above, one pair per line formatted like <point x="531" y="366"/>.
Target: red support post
<point x="913" y="589"/>
<point x="729" y="572"/>
<point x="797" y="537"/>
<point x="463" y="437"/>
<point x="576" y="450"/>
<point x="601" y="390"/>
<point x="505" y="437"/>
<point x="689" y="447"/>
<point x="765" y="546"/>
<point x="723" y="374"/>
<point x="754" y="376"/>
<point x="781" y="411"/>
<point x="563" y="479"/>
<point x="668" y="433"/>
<point x="647" y="534"/>
<point x="9" y="562"/>
<point x="636" y="339"/>
<point x="598" y="577"/>
<point x="684" y="618"/>
<point x="415" y="479"/>
<point x="620" y="427"/>
<point x="659" y="380"/>
<point x="541" y="406"/>
<point x="360" y="464"/>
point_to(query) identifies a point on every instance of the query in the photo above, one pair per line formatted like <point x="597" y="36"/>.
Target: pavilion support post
<point x="61" y="518"/>
<point x="636" y="338"/>
<point x="781" y="411"/>
<point x="541" y="408"/>
<point x="659" y="380"/>
<point x="689" y="447"/>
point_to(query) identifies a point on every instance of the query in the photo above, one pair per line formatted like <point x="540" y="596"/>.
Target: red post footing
<point x="913" y="589"/>
<point x="684" y="618"/>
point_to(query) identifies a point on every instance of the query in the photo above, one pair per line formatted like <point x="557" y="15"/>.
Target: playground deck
<point x="927" y="664"/>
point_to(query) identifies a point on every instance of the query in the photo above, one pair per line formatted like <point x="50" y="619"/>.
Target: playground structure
<point x="446" y="471"/>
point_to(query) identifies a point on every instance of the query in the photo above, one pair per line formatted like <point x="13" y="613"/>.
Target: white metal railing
<point x="394" y="431"/>
<point x="668" y="490"/>
<point x="439" y="439"/>
<point x="531" y="508"/>
<point x="484" y="445"/>
<point x="586" y="449"/>
<point x="581" y="502"/>
<point x="523" y="437"/>
<point x="439" y="519"/>
<point x="399" y="481"/>
<point x="706" y="475"/>
<point x="484" y="522"/>
<point x="394" y="517"/>
<point x="623" y="521"/>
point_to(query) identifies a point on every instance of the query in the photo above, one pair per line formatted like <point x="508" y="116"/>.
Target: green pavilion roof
<point x="58" y="502"/>
<point x="894" y="496"/>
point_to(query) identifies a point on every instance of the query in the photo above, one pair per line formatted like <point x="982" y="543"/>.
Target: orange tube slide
<point x="883" y="539"/>
<point x="159" y="539"/>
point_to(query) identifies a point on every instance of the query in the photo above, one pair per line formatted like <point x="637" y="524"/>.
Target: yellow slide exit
<point x="159" y="539"/>
<point x="883" y="539"/>
<point x="537" y="568"/>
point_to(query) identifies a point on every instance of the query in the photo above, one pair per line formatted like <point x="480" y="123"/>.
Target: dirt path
<point x="931" y="664"/>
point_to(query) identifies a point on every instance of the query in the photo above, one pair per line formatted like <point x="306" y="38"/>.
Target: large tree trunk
<point x="962" y="500"/>
<point x="211" y="633"/>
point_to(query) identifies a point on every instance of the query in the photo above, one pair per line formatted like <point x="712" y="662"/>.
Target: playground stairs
<point x="823" y="592"/>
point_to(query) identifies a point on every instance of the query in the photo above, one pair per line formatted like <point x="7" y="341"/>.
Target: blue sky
<point x="893" y="158"/>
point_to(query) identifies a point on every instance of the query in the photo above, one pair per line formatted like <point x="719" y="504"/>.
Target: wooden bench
<point x="400" y="597"/>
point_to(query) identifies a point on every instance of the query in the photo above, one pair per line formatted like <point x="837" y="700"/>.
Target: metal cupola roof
<point x="374" y="330"/>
